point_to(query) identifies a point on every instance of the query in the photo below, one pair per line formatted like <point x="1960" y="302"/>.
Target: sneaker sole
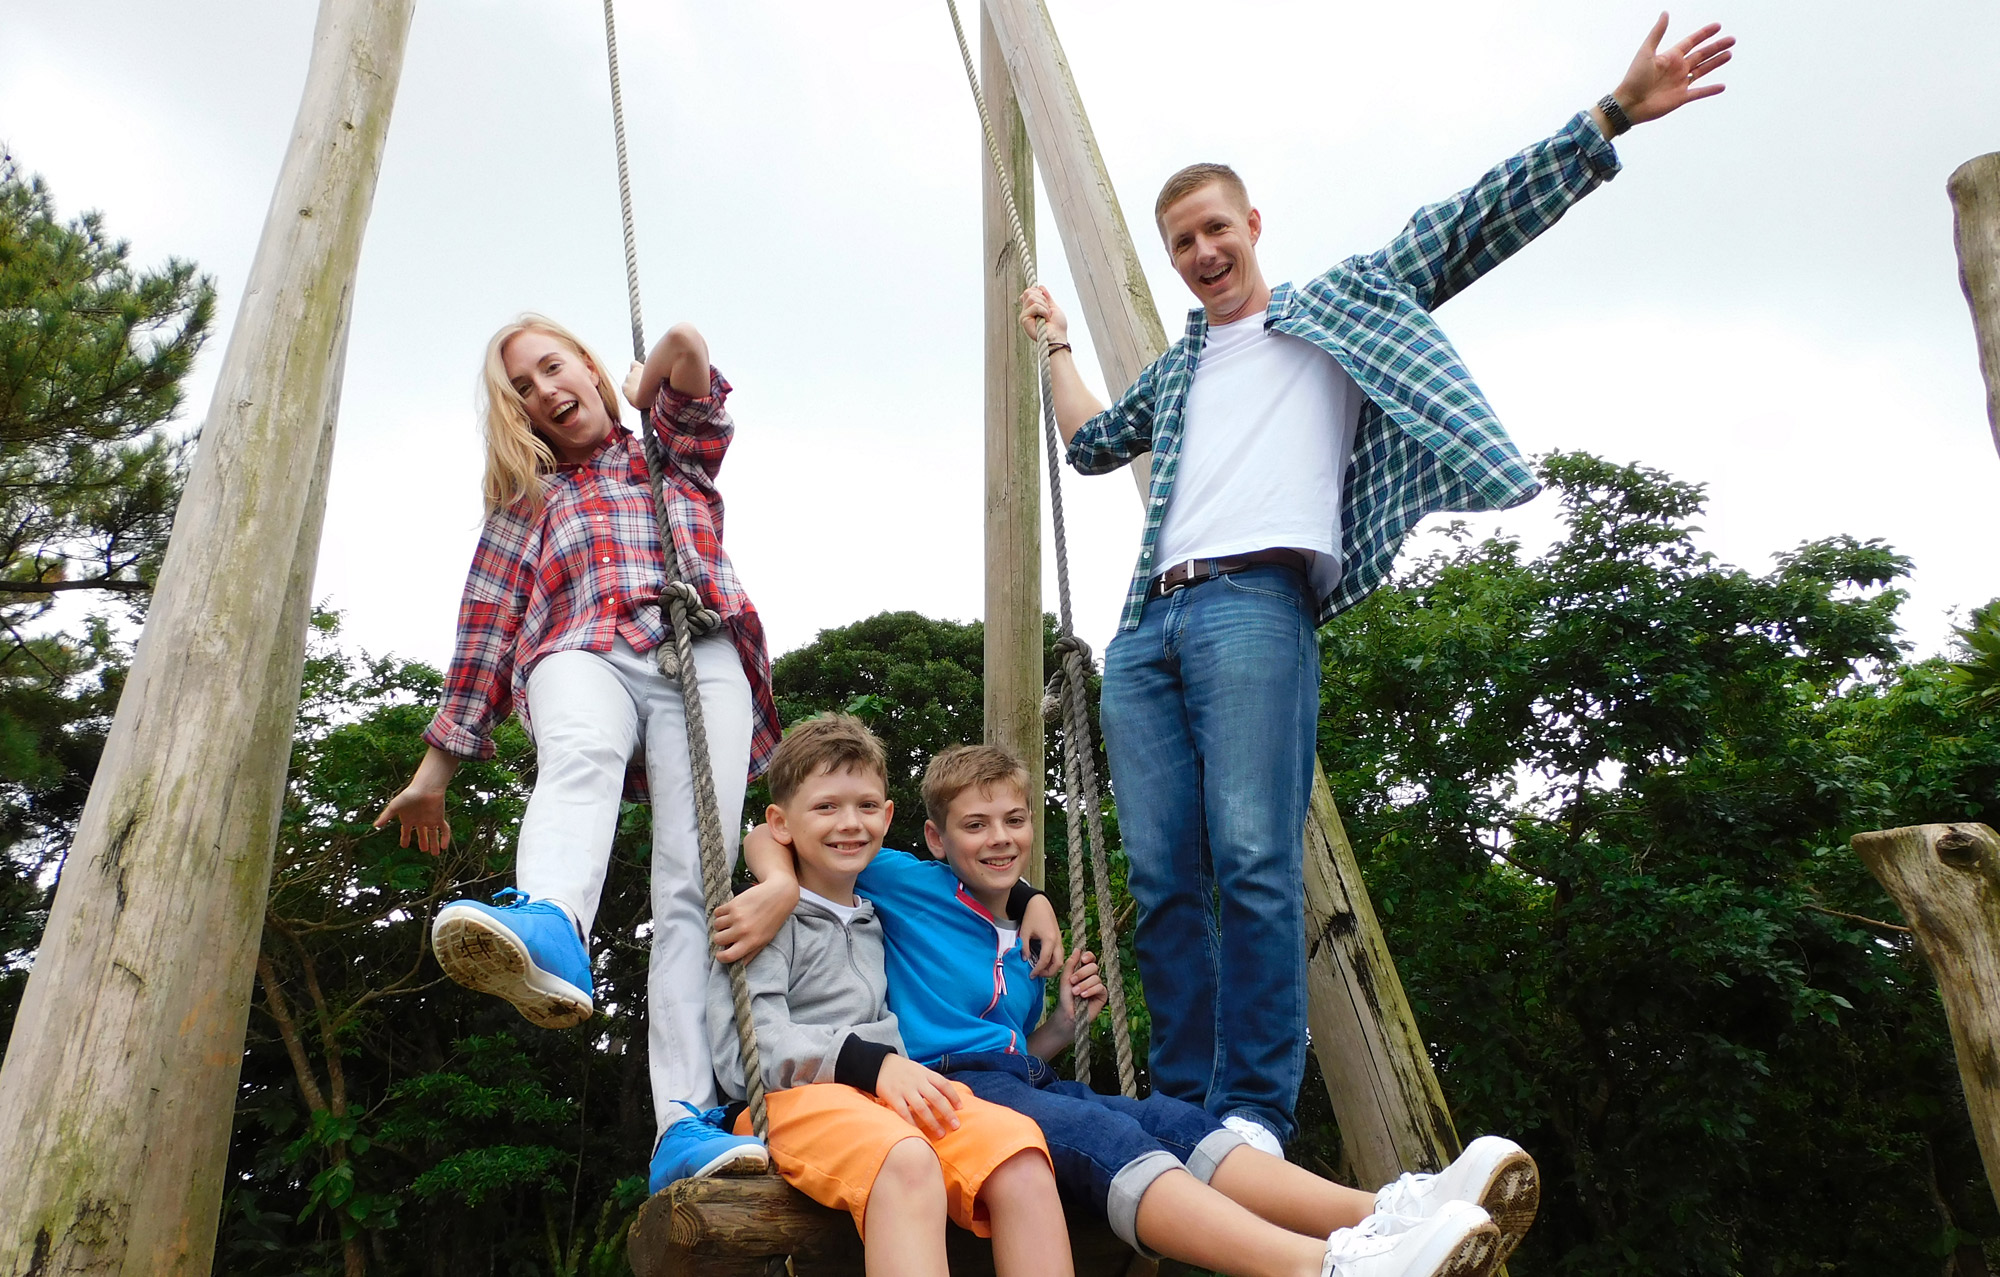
<point x="744" y="1159"/>
<point x="1511" y="1197"/>
<point x="1476" y="1255"/>
<point x="487" y="957"/>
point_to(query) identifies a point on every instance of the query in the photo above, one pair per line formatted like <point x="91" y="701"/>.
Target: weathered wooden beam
<point x="1946" y="880"/>
<point x="737" y="1227"/>
<point x="1117" y="302"/>
<point x="1013" y="445"/>
<point x="1974" y="188"/>
<point x="120" y="1079"/>
<point x="1386" y="1097"/>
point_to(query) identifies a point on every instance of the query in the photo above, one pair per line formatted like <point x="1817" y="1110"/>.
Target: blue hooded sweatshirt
<point x="957" y="978"/>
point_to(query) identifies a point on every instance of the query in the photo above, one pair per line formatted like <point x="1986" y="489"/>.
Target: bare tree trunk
<point x="1974" y="188"/>
<point x="1013" y="449"/>
<point x="1946" y="880"/>
<point x="119" y="1083"/>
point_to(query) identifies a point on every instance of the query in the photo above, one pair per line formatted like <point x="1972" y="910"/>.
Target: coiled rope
<point x="686" y="618"/>
<point x="1069" y="687"/>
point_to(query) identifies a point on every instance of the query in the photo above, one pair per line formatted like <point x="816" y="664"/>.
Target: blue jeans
<point x="1209" y="713"/>
<point x="1106" y="1150"/>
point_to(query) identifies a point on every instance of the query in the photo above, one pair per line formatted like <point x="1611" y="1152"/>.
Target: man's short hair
<point x="964" y="767"/>
<point x="825" y="743"/>
<point x="1191" y="179"/>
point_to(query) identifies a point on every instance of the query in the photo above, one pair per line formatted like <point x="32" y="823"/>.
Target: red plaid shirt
<point x="588" y="568"/>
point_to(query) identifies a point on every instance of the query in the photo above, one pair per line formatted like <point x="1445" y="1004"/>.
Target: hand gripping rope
<point x="686" y="618"/>
<point x="1069" y="687"/>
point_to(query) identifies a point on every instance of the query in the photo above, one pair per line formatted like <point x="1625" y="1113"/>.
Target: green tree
<point x="1602" y="796"/>
<point x="389" y="1120"/>
<point x="92" y="357"/>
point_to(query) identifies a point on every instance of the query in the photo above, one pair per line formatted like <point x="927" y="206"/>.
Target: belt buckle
<point x="1170" y="587"/>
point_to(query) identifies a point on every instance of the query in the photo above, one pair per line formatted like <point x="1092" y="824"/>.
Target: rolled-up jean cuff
<point x="1208" y="1154"/>
<point x="1121" y="1206"/>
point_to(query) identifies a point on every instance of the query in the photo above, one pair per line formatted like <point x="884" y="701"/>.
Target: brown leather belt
<point x="1195" y="571"/>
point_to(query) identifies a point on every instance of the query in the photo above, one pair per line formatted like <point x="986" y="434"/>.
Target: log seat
<point x="748" y="1226"/>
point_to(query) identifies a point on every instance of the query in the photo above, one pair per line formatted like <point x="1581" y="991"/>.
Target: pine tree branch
<point x="89" y="583"/>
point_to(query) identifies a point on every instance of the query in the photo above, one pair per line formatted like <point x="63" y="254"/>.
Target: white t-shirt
<point x="1268" y="431"/>
<point x="843" y="912"/>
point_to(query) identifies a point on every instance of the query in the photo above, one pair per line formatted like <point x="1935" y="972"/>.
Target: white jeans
<point x="590" y="710"/>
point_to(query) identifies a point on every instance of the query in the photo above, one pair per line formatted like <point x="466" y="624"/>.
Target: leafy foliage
<point x="1602" y="798"/>
<point x="92" y="356"/>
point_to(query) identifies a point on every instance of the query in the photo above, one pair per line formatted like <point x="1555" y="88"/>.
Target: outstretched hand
<point x="1659" y="82"/>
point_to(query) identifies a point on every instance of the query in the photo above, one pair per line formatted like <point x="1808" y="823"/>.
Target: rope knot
<point x="681" y="608"/>
<point x="1070" y="643"/>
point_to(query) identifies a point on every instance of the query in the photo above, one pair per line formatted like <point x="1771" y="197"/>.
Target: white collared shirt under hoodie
<point x="1269" y="429"/>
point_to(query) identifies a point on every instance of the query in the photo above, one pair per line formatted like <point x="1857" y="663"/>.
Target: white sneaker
<point x="1255" y="1134"/>
<point x="1493" y="1173"/>
<point x="1458" y="1240"/>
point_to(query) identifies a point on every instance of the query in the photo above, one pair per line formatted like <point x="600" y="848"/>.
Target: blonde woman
<point x="559" y="623"/>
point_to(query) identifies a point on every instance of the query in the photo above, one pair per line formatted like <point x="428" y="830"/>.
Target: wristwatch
<point x="1615" y="115"/>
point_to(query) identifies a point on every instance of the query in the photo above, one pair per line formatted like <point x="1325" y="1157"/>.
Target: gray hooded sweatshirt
<point x="820" y="997"/>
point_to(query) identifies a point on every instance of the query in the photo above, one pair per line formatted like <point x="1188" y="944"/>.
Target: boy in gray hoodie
<point x="854" y="1123"/>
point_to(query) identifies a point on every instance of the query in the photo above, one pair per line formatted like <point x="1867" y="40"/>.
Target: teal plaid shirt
<point x="1427" y="439"/>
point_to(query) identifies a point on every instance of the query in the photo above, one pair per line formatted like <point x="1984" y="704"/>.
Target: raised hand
<point x="1038" y="305"/>
<point x="1659" y="82"/>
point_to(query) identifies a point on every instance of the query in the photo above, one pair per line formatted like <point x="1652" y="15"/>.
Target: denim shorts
<point x="1107" y="1150"/>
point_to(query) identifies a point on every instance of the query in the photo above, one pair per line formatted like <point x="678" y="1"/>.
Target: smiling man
<point x="1299" y="432"/>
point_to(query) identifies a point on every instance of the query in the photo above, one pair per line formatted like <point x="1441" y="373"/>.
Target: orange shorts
<point x="829" y="1141"/>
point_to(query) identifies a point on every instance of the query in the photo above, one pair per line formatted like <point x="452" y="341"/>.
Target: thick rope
<point x="685" y="617"/>
<point x="1079" y="764"/>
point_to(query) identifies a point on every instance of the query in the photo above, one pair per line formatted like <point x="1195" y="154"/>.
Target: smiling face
<point x="558" y="388"/>
<point x="987" y="838"/>
<point x="1211" y="235"/>
<point x="835" y="821"/>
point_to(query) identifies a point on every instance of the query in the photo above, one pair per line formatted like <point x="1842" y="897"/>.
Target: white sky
<point x="1765" y="301"/>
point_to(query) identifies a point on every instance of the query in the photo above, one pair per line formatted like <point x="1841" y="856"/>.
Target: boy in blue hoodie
<point x="1171" y="1179"/>
<point x="854" y="1122"/>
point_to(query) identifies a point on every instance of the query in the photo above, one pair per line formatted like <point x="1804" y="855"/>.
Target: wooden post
<point x="1974" y="188"/>
<point x="119" y="1086"/>
<point x="1378" y="1074"/>
<point x="1946" y="880"/>
<point x="1386" y="1097"/>
<point x="1117" y="302"/>
<point x="1013" y="448"/>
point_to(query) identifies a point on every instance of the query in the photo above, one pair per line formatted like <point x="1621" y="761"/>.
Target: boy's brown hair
<point x="1191" y="179"/>
<point x="964" y="767"/>
<point x="825" y="743"/>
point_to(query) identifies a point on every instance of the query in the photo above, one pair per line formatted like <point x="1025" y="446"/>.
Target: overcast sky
<point x="1765" y="301"/>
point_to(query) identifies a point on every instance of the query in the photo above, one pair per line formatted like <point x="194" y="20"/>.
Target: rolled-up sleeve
<point x="478" y="685"/>
<point x="1119" y="433"/>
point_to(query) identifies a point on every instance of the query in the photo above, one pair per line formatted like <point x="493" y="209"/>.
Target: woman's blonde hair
<point x="517" y="457"/>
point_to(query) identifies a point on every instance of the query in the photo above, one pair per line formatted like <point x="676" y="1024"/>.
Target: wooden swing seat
<point x="738" y="1226"/>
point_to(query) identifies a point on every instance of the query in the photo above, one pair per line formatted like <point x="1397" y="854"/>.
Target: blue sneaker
<point x="526" y="951"/>
<point x="697" y="1146"/>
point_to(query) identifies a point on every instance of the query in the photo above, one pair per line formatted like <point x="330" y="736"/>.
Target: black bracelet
<point x="1054" y="346"/>
<point x="1614" y="115"/>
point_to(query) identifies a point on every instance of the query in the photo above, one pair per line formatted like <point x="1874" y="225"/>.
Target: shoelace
<point x="1359" y="1242"/>
<point x="510" y="898"/>
<point x="1404" y="1199"/>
